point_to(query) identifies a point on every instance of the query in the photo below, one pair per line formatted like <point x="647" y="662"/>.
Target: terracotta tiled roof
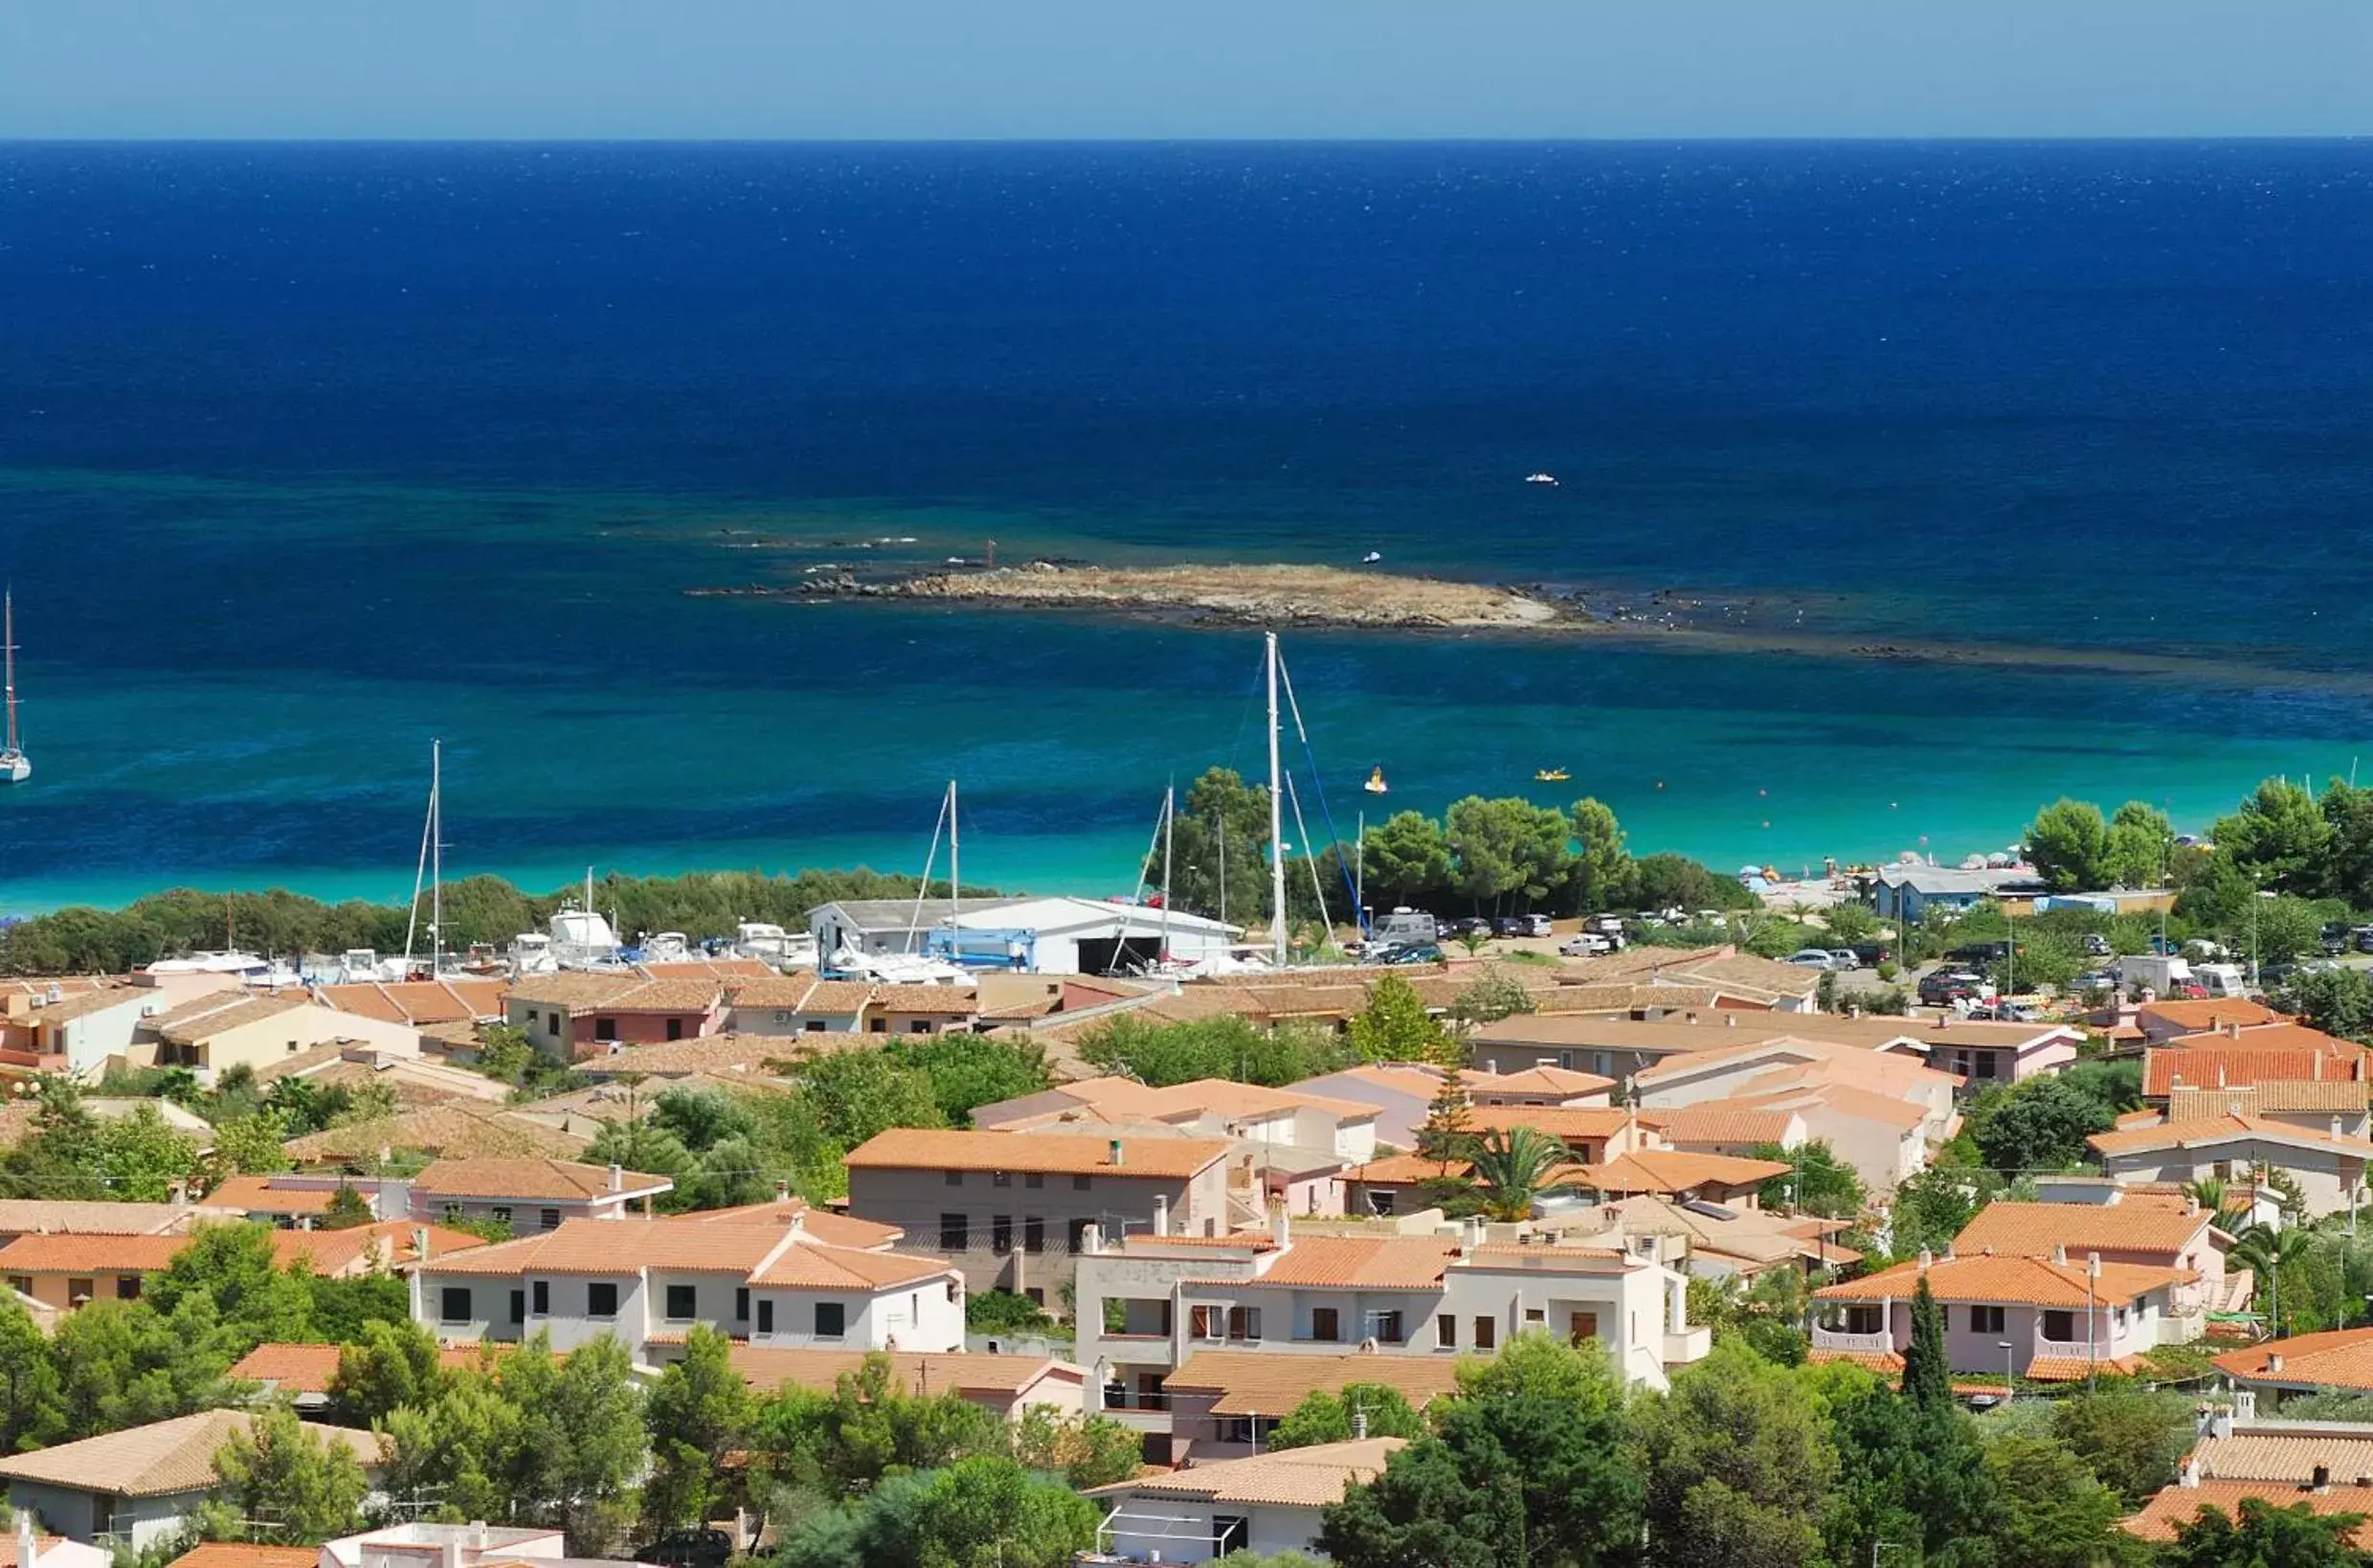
<point x="387" y="1241"/>
<point x="194" y="1024"/>
<point x="38" y="1216"/>
<point x="2179" y="1504"/>
<point x="458" y="1130"/>
<point x="1381" y="1263"/>
<point x="291" y="1369"/>
<point x="2220" y="1062"/>
<point x="1725" y="1121"/>
<point x="246" y="1554"/>
<point x="732" y="1055"/>
<point x="2225" y="1129"/>
<point x="1676" y="1171"/>
<point x="1405" y="1169"/>
<point x="2137" y="1223"/>
<point x="420" y="1001"/>
<point x="782" y="993"/>
<point x="1567" y="1122"/>
<point x="2257" y="1454"/>
<point x="1054" y="1154"/>
<point x="813" y="1266"/>
<point x="573" y="990"/>
<point x="564" y="1179"/>
<point x="1536" y="1080"/>
<point x="84" y="1004"/>
<point x="89" y="1254"/>
<point x="1253" y="1383"/>
<point x="1222" y="1097"/>
<point x="1312" y="1477"/>
<point x="768" y="1368"/>
<point x="1886" y="1363"/>
<point x="950" y="1000"/>
<point x="2283" y="1035"/>
<point x="709" y="969"/>
<point x="2340" y="1359"/>
<point x="763" y="1254"/>
<point x="2075" y="1369"/>
<point x="158" y="1459"/>
<point x="256" y="1195"/>
<point x="2031" y="1282"/>
<point x="2201" y="1017"/>
<point x="831" y="1228"/>
<point x="2269" y="1096"/>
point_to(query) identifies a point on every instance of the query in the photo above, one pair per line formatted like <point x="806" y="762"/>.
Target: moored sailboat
<point x="14" y="766"/>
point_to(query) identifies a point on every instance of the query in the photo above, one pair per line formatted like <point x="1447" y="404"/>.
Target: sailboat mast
<point x="1277" y="819"/>
<point x="955" y="879"/>
<point x="1169" y="818"/>
<point x="8" y="649"/>
<point x="436" y="859"/>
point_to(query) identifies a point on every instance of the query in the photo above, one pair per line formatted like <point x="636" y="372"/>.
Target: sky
<point x="1129" y="69"/>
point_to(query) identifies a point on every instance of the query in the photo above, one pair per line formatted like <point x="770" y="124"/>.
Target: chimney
<point x="2059" y="1255"/>
<point x="2320" y="1480"/>
<point x="800" y="1223"/>
<point x="2335" y="1129"/>
<point x="782" y="1191"/>
<point x="27" y="1547"/>
<point x="1113" y="1151"/>
<point x="1729" y="1021"/>
<point x="618" y="1178"/>
<point x="1948" y="1249"/>
<point x="1927" y="1258"/>
<point x="2273" y="1363"/>
<point x="1092" y="1238"/>
<point x="478" y="1534"/>
<point x="178" y="1194"/>
<point x="1360" y="1426"/>
<point x="1281" y="1227"/>
<point x="1472" y="1232"/>
<point x="1162" y="1214"/>
<point x="420" y="1244"/>
<point x="2187" y="1474"/>
<point x="2245" y="1405"/>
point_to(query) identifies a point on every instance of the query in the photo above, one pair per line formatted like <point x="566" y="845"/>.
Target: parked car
<point x="1535" y="924"/>
<point x="2334" y="939"/>
<point x="1469" y="925"/>
<point x="687" y="1548"/>
<point x="2364" y="938"/>
<point x="1844" y="958"/>
<point x="1941" y="987"/>
<point x="1411" y="952"/>
<point x="1584" y="944"/>
<point x="1812" y="958"/>
<point x="1404" y="924"/>
<point x="1508" y="926"/>
<point x="2096" y="946"/>
<point x="2099" y="979"/>
<point x="2166" y="947"/>
<point x="1872" y="954"/>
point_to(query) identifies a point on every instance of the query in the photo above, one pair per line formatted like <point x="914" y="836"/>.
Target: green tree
<point x="285" y="1484"/>
<point x="1911" y="1473"/>
<point x="1513" y="1166"/>
<point x="2263" y="1535"/>
<point x="234" y="1268"/>
<point x="1407" y="862"/>
<point x="1507" y="848"/>
<point x="2040" y="1123"/>
<point x="1493" y="994"/>
<point x="2277" y="839"/>
<point x="2135" y="851"/>
<point x="969" y="1070"/>
<point x="2272" y="1255"/>
<point x="1444" y="1134"/>
<point x="2051" y="1512"/>
<point x="2068" y="845"/>
<point x="123" y="1364"/>
<point x="597" y="1413"/>
<point x="504" y="1053"/>
<point x="249" y="1146"/>
<point x="2130" y="1439"/>
<point x="1601" y="877"/>
<point x="1162" y="1055"/>
<point x="341" y="1308"/>
<point x="1927" y="1375"/>
<point x="2348" y="862"/>
<point x="2339" y="1002"/>
<point x="1395" y="1026"/>
<point x="346" y="1209"/>
<point x="1817" y="1182"/>
<point x="29" y="1416"/>
<point x="856" y="1094"/>
<point x="867" y="1428"/>
<point x="1935" y="1205"/>
<point x="392" y="1364"/>
<point x="1740" y="1466"/>
<point x="1433" y="1507"/>
<point x="701" y="1407"/>
<point x="1675" y="882"/>
<point x="1555" y="1416"/>
<point x="1086" y="1451"/>
<point x="1333" y="1417"/>
<point x="983" y="1511"/>
<point x="1223" y="828"/>
<point x="461" y="1453"/>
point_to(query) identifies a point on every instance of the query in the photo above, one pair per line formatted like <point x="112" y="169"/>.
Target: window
<point x="1486" y="1333"/>
<point x="1001" y="1178"/>
<point x="1534" y="1314"/>
<point x="955" y="1232"/>
<point x="1565" y="1061"/>
<point x="674" y="1028"/>
<point x="1865" y="1319"/>
<point x="1032" y="1234"/>
<point x="1323" y="1325"/>
<point x="1583" y="1327"/>
<point x="1985" y="1064"/>
<point x="1446" y="1330"/>
<point x="2060" y="1325"/>
<point x="519" y="1306"/>
<point x="542" y="1289"/>
<point x="1076" y="1233"/>
<point x="499" y="1213"/>
<point x="1385" y="1327"/>
<point x="531" y="1018"/>
<point x="601" y="1300"/>
<point x="1603" y="1062"/>
<point x="1229" y="1532"/>
<point x="1985" y="1321"/>
<point x="1380" y="1202"/>
<point x="453" y="1214"/>
<point x="548" y="1220"/>
<point x="1204" y="1323"/>
<point x="1079" y="1183"/>
<point x="953" y="1179"/>
<point x="1038" y="1297"/>
<point x="1245" y="1323"/>
<point x="918" y="1026"/>
<point x="877" y="1026"/>
<point x="1253" y="1429"/>
<point x="453" y="1304"/>
<point x="1035" y="1178"/>
<point x="765" y="1317"/>
<point x="815" y="1026"/>
<point x="682" y="1301"/>
<point x="741" y="1304"/>
<point x="1001" y="1234"/>
<point x="552" y="1026"/>
<point x="1945" y="1318"/>
<point x="79" y="1293"/>
<point x="831" y="1320"/>
<point x="127" y="1287"/>
<point x="21" y="1284"/>
<point x="605" y="1028"/>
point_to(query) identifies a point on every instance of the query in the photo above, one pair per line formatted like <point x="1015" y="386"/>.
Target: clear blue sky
<point x="1183" y="68"/>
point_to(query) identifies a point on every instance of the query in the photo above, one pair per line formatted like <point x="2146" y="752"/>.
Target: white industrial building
<point x="1040" y="935"/>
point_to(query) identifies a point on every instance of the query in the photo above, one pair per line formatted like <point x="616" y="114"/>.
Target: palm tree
<point x="2266" y="1252"/>
<point x="1513" y="1164"/>
<point x="2208" y="1193"/>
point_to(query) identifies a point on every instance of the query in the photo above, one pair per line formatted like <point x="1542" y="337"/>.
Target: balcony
<point x="1691" y="1344"/>
<point x="1853" y="1344"/>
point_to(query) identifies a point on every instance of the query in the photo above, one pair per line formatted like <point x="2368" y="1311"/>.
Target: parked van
<point x="2221" y="980"/>
<point x="1405" y="926"/>
<point x="2164" y="975"/>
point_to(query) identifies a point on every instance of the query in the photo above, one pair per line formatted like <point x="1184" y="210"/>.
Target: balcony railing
<point x="1840" y="1339"/>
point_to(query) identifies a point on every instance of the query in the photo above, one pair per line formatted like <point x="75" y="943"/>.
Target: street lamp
<point x="2093" y="1332"/>
<point x="2009" y="1377"/>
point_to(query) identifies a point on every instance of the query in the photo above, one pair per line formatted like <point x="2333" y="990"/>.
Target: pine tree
<point x="1444" y="1136"/>
<point x="1927" y="1381"/>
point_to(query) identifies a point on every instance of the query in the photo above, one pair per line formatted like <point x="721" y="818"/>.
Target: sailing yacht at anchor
<point x="15" y="767"/>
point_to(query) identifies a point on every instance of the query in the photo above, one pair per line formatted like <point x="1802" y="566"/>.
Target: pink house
<point x="1982" y="1053"/>
<point x="570" y="1014"/>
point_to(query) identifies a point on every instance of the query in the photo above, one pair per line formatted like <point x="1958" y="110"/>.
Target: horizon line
<point x="1966" y="139"/>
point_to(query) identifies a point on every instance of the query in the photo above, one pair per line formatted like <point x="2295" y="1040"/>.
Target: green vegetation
<point x="1323" y="1417"/>
<point x="1164" y="1053"/>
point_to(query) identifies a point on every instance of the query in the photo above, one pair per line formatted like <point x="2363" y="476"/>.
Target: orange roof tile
<point x="291" y="1369"/>
<point x="161" y="1458"/>
<point x="2179" y="1504"/>
<point x="2032" y="1282"/>
<point x="1676" y="1171"/>
<point x="1379" y="1263"/>
<point x="256" y="1195"/>
<point x="89" y="1254"/>
<point x="2203" y="1017"/>
<point x="1726" y="1121"/>
<point x="1536" y="1080"/>
<point x="2220" y="1062"/>
<point x="2137" y="1223"/>
<point x="2339" y="1358"/>
<point x="532" y="1179"/>
<point x="826" y="1225"/>
<point x="1568" y="1122"/>
<point x="1405" y="1169"/>
<point x="2226" y="1128"/>
<point x="1313" y="1477"/>
<point x="246" y="1554"/>
<point x="1252" y="1383"/>
<point x="1054" y="1154"/>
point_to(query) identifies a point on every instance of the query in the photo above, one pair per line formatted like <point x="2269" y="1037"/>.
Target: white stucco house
<point x="1272" y="1503"/>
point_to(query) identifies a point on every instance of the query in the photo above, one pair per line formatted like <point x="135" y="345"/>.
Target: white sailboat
<point x="14" y="766"/>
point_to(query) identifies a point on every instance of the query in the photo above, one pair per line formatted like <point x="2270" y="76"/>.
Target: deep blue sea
<point x="309" y="453"/>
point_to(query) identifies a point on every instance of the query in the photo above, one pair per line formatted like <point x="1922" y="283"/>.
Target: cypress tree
<point x="1927" y="1381"/>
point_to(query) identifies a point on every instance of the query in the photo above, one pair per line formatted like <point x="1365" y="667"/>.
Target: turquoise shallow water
<point x="308" y="455"/>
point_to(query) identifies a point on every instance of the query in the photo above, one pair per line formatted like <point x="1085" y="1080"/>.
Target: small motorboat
<point x="1375" y="784"/>
<point x="1541" y="479"/>
<point x="1372" y="557"/>
<point x="1550" y="775"/>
